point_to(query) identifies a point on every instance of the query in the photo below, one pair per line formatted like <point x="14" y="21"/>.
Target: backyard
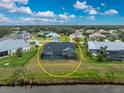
<point x="25" y="70"/>
<point x="89" y="72"/>
<point x="14" y="61"/>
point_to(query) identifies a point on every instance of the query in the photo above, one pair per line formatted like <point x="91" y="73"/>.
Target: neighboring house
<point x="104" y="32"/>
<point x="122" y="30"/>
<point x="112" y="31"/>
<point x="79" y="30"/>
<point x="55" y="39"/>
<point x="52" y="34"/>
<point x="43" y="33"/>
<point x="115" y="50"/>
<point x="76" y="35"/>
<point x="10" y="46"/>
<point x="97" y="35"/>
<point x="22" y="35"/>
<point x="90" y="31"/>
<point x="59" y="50"/>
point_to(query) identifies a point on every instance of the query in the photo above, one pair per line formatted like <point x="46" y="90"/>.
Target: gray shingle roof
<point x="115" y="46"/>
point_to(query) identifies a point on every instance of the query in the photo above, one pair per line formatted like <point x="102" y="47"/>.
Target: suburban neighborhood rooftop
<point x="11" y="44"/>
<point x="117" y="46"/>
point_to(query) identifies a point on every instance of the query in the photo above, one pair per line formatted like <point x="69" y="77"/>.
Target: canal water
<point x="65" y="89"/>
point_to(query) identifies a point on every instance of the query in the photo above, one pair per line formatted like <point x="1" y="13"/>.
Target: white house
<point x="76" y="35"/>
<point x="90" y="31"/>
<point x="112" y="31"/>
<point x="10" y="46"/>
<point x="52" y="34"/>
<point x="97" y="35"/>
<point x="115" y="50"/>
<point x="22" y="35"/>
<point x="104" y="32"/>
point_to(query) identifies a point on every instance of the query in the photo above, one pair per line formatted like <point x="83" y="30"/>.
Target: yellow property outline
<point x="66" y="75"/>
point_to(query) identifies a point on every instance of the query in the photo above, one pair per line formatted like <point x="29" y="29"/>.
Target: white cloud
<point x="91" y="17"/>
<point x="62" y="17"/>
<point x="47" y="14"/>
<point x="84" y="6"/>
<point x="15" y="1"/>
<point x="51" y="16"/>
<point x="110" y="12"/>
<point x="81" y="5"/>
<point x="3" y="19"/>
<point x="92" y="10"/>
<point x="11" y="6"/>
<point x="58" y="18"/>
<point x="25" y="10"/>
<point x="65" y="17"/>
<point x="8" y="6"/>
<point x="72" y="16"/>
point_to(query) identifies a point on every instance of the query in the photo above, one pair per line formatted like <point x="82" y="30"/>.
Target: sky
<point x="61" y="12"/>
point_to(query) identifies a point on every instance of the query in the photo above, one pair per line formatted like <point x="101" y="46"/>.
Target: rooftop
<point x="10" y="44"/>
<point x="117" y="46"/>
<point x="58" y="46"/>
<point x="97" y="34"/>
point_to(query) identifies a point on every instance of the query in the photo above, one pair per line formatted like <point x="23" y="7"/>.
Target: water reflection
<point x="65" y="89"/>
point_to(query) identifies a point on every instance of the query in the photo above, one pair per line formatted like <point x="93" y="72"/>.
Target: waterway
<point x="65" y="89"/>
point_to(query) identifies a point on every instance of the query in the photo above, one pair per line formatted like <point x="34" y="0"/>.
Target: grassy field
<point x="87" y="73"/>
<point x="26" y="70"/>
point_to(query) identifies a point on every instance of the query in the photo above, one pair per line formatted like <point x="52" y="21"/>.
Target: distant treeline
<point x="68" y="29"/>
<point x="4" y="30"/>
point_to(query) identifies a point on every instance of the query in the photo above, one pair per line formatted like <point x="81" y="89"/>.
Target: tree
<point x="33" y="43"/>
<point x="85" y="32"/>
<point x="102" y="53"/>
<point x="19" y="53"/>
<point x="77" y="40"/>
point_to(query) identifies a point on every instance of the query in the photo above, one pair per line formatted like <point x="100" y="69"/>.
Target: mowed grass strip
<point x="14" y="61"/>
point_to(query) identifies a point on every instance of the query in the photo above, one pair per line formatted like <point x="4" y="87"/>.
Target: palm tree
<point x="102" y="53"/>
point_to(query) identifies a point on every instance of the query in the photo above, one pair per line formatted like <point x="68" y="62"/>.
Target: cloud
<point x="11" y="6"/>
<point x="103" y="4"/>
<point x="91" y="17"/>
<point x="33" y="20"/>
<point x="85" y="7"/>
<point x="92" y="10"/>
<point x="65" y="17"/>
<point x="62" y="17"/>
<point x="25" y="10"/>
<point x="15" y="1"/>
<point x="81" y="5"/>
<point x="110" y="12"/>
<point x="47" y="14"/>
<point x="51" y="16"/>
<point x="4" y="19"/>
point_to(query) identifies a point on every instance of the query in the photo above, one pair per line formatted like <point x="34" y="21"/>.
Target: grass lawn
<point x="65" y="39"/>
<point x="39" y="38"/>
<point x="14" y="61"/>
<point x="25" y="70"/>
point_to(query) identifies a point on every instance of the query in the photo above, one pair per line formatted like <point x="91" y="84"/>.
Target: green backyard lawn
<point x="13" y="61"/>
